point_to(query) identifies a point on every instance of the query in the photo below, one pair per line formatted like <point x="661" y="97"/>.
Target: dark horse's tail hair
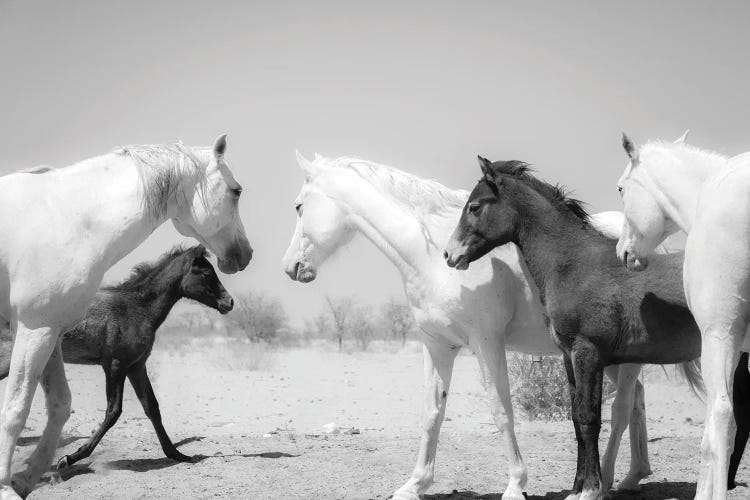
<point x="691" y="370"/>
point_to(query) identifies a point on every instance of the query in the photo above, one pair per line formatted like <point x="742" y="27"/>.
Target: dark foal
<point x="119" y="329"/>
<point x="599" y="313"/>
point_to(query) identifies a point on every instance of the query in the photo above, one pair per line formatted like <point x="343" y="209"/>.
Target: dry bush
<point x="259" y="316"/>
<point x="397" y="319"/>
<point x="239" y="355"/>
<point x="540" y="390"/>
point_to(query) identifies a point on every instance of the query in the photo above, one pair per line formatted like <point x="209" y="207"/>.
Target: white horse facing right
<point x="671" y="186"/>
<point x="61" y="230"/>
<point x="492" y="307"/>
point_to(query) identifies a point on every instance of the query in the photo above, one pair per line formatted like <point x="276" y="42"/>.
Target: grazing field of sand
<point x="258" y="434"/>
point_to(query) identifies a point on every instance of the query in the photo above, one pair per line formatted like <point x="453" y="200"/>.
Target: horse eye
<point x="237" y="191"/>
<point x="619" y="188"/>
<point x="474" y="207"/>
<point x="298" y="208"/>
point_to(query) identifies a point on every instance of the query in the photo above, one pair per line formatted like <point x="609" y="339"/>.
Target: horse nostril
<point x="231" y="302"/>
<point x="445" y="254"/>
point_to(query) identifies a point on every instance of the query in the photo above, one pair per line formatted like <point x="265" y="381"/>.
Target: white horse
<point x="61" y="230"/>
<point x="409" y="219"/>
<point x="671" y="186"/>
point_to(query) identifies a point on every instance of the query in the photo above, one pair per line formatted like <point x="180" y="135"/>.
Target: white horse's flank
<point x="675" y="186"/>
<point x="492" y="307"/>
<point x="61" y="230"/>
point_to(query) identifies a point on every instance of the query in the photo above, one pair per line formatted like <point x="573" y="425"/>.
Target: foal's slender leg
<point x="115" y="375"/>
<point x="57" y="398"/>
<point x="588" y="374"/>
<point x="142" y="385"/>
<point x="31" y="352"/>
<point x="625" y="376"/>
<point x="741" y="400"/>
<point x="492" y="359"/>
<point x="578" y="481"/>
<point x="438" y="368"/>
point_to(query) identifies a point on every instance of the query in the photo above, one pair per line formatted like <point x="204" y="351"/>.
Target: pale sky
<point x="421" y="86"/>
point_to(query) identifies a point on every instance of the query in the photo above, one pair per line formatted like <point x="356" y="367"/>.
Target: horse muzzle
<point x="302" y="272"/>
<point x="225" y="304"/>
<point x="456" y="256"/>
<point x="236" y="259"/>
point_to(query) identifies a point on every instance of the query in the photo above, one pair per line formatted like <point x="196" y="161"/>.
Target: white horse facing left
<point x="61" y="230"/>
<point x="671" y="186"/>
<point x="492" y="307"/>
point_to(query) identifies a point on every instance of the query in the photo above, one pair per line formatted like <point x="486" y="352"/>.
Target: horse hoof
<point x="180" y="457"/>
<point x="405" y="494"/>
<point x="63" y="463"/>
<point x="513" y="496"/>
<point x="8" y="493"/>
<point x="20" y="486"/>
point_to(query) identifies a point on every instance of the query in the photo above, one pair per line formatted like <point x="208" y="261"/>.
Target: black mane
<point x="145" y="270"/>
<point x="555" y="193"/>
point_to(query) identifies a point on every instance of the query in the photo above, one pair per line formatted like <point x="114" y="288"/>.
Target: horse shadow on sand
<point x="149" y="464"/>
<point x="649" y="491"/>
<point x="64" y="441"/>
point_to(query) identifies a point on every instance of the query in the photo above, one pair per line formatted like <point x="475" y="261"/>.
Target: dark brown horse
<point x="599" y="313"/>
<point x="119" y="329"/>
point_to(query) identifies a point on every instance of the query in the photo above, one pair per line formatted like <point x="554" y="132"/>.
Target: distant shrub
<point x="259" y="316"/>
<point x="239" y="355"/>
<point x="540" y="390"/>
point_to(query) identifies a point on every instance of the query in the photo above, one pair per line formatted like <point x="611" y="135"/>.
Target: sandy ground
<point x="258" y="434"/>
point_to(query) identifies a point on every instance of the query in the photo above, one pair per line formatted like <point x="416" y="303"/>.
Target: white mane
<point x="681" y="148"/>
<point x="425" y="196"/>
<point x="161" y="168"/>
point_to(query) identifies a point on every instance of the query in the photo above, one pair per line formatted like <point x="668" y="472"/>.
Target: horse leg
<point x="741" y="400"/>
<point x="438" y="368"/>
<point x="719" y="359"/>
<point x="142" y="385"/>
<point x="31" y="353"/>
<point x="115" y="376"/>
<point x="588" y="373"/>
<point x="625" y="376"/>
<point x="640" y="467"/>
<point x="578" y="481"/>
<point x="57" y="398"/>
<point x="492" y="360"/>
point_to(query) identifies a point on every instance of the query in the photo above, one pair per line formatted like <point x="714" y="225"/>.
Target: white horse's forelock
<point x="422" y="196"/>
<point x="161" y="166"/>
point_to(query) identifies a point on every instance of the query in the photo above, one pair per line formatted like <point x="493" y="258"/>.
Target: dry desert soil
<point x="258" y="433"/>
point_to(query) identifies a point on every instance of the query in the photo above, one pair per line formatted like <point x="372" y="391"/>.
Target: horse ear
<point x="304" y="163"/>
<point x="220" y="146"/>
<point x="630" y="148"/>
<point x="486" y="166"/>
<point x="683" y="138"/>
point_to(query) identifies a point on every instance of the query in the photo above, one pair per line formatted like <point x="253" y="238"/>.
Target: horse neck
<point x="107" y="189"/>
<point x="160" y="291"/>
<point x="678" y="184"/>
<point x="396" y="231"/>
<point x="551" y="239"/>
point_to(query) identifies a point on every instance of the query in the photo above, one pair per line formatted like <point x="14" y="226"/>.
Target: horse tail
<point x="691" y="370"/>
